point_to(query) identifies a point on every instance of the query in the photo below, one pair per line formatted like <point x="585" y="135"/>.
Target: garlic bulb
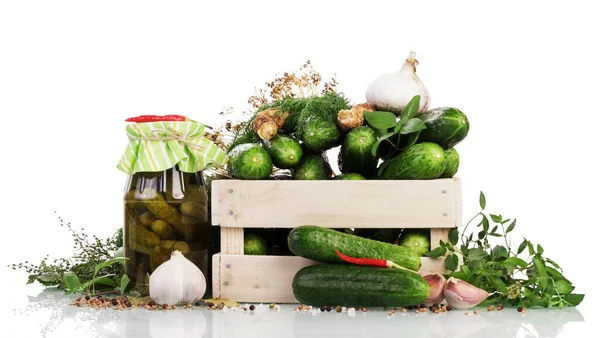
<point x="392" y="91"/>
<point x="463" y="295"/>
<point x="177" y="280"/>
<point x="436" y="289"/>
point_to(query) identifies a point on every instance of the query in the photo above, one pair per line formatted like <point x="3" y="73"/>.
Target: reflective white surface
<point x="47" y="313"/>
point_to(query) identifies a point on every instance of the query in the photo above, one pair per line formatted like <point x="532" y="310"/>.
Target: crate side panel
<point x="337" y="204"/>
<point x="259" y="278"/>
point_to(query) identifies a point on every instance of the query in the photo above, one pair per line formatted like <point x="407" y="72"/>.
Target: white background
<point x="525" y="73"/>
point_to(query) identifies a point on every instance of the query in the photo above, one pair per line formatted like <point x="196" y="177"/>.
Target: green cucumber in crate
<point x="350" y="285"/>
<point x="319" y="244"/>
<point x="445" y="126"/>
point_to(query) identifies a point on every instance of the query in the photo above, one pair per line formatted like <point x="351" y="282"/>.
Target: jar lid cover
<point x="158" y="146"/>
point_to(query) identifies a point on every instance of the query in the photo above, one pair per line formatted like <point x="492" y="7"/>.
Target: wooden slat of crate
<point x="337" y="204"/>
<point x="266" y="279"/>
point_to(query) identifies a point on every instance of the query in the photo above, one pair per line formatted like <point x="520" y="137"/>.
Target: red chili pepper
<point x="156" y="118"/>
<point x="381" y="263"/>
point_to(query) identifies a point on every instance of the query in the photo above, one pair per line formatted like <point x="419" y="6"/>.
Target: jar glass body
<point x="164" y="211"/>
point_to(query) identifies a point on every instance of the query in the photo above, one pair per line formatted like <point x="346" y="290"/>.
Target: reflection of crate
<point x="433" y="204"/>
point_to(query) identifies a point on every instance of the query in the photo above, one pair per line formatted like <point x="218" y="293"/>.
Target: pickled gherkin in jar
<point x="165" y="223"/>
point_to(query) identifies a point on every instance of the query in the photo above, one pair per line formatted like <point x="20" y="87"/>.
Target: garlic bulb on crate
<point x="177" y="281"/>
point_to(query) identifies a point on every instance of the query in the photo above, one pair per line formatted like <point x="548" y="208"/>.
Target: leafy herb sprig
<point x="389" y="129"/>
<point x="524" y="277"/>
<point x="92" y="267"/>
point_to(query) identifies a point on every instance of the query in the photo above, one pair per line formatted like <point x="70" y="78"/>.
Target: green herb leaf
<point x="453" y="236"/>
<point x="522" y="246"/>
<point x="108" y="263"/>
<point x="512" y="262"/>
<point x="476" y="254"/>
<point x="451" y="262"/>
<point x="541" y="269"/>
<point x="481" y="200"/>
<point x="380" y="119"/>
<point x="496" y="218"/>
<point x="541" y="302"/>
<point x="410" y="110"/>
<point x="412" y="138"/>
<point x="413" y="125"/>
<point x="481" y="234"/>
<point x="511" y="226"/>
<point x="124" y="282"/>
<point x="97" y="280"/>
<point x="574" y="298"/>
<point x="485" y="223"/>
<point x="437" y="252"/>
<point x="378" y="142"/>
<point x="553" y="263"/>
<point x="540" y="250"/>
<point x="563" y="287"/>
<point x="498" y="283"/>
<point x="530" y="247"/>
<point x="500" y="251"/>
<point x="72" y="283"/>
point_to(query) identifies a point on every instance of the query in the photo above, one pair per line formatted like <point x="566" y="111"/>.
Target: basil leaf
<point x="574" y="298"/>
<point x="522" y="246"/>
<point x="72" y="283"/>
<point x="412" y="138"/>
<point x="511" y="226"/>
<point x="378" y="142"/>
<point x="412" y="125"/>
<point x="563" y="287"/>
<point x="380" y="119"/>
<point x="437" y="252"/>
<point x="451" y="262"/>
<point x="411" y="109"/>
<point x="476" y="254"/>
<point x="453" y="236"/>
<point x="481" y="200"/>
<point x="499" y="251"/>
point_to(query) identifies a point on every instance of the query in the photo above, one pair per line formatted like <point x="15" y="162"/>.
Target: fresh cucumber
<point x="351" y="285"/>
<point x="318" y="243"/>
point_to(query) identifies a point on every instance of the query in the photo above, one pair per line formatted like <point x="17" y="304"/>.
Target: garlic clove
<point x="463" y="295"/>
<point x="436" y="288"/>
<point x="177" y="280"/>
<point x="392" y="91"/>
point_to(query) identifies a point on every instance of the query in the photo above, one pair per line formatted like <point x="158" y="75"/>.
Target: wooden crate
<point x="237" y="204"/>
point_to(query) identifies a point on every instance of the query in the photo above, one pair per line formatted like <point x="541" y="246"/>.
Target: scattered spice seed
<point x="78" y="299"/>
<point x="210" y="304"/>
<point x="389" y="313"/>
<point x="449" y="307"/>
<point x="338" y="309"/>
<point x="364" y="309"/>
<point x="520" y="309"/>
<point x="436" y="311"/>
<point x="87" y="297"/>
<point x="403" y="310"/>
<point x="197" y="303"/>
<point x="491" y="308"/>
<point x="272" y="305"/>
<point x="173" y="307"/>
<point x="328" y="308"/>
<point x="466" y="313"/>
<point x="152" y="303"/>
<point x="393" y="310"/>
<point x="127" y="303"/>
<point x="475" y="312"/>
<point x="422" y="306"/>
<point x="252" y="307"/>
<point x="500" y="307"/>
<point x="165" y="306"/>
<point x="114" y="302"/>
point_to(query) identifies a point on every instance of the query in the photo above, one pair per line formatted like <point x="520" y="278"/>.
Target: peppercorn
<point x="78" y="299"/>
<point x="87" y="297"/>
<point x="449" y="307"/>
<point x="475" y="312"/>
<point x="197" y="303"/>
<point x="210" y="304"/>
<point x="114" y="302"/>
<point x="520" y="309"/>
<point x="127" y="303"/>
<point x="403" y="309"/>
<point x="364" y="309"/>
<point x="422" y="306"/>
<point x="165" y="306"/>
<point x="173" y="307"/>
<point x="338" y="309"/>
<point x="252" y="307"/>
<point x="152" y="303"/>
<point x="328" y="308"/>
<point x="500" y="307"/>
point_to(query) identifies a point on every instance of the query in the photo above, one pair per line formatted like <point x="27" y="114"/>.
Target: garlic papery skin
<point x="463" y="295"/>
<point x="436" y="289"/>
<point x="177" y="281"/>
<point x="392" y="91"/>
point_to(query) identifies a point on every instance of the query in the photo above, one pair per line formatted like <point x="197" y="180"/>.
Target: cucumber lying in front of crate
<point x="349" y="285"/>
<point x="318" y="243"/>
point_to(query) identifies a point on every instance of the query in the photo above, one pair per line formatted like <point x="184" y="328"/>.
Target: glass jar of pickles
<point x="165" y="201"/>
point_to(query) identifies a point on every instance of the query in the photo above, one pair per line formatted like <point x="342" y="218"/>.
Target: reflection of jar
<point x="165" y="202"/>
<point x="164" y="211"/>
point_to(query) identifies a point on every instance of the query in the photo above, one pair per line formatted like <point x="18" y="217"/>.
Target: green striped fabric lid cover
<point x="158" y="146"/>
